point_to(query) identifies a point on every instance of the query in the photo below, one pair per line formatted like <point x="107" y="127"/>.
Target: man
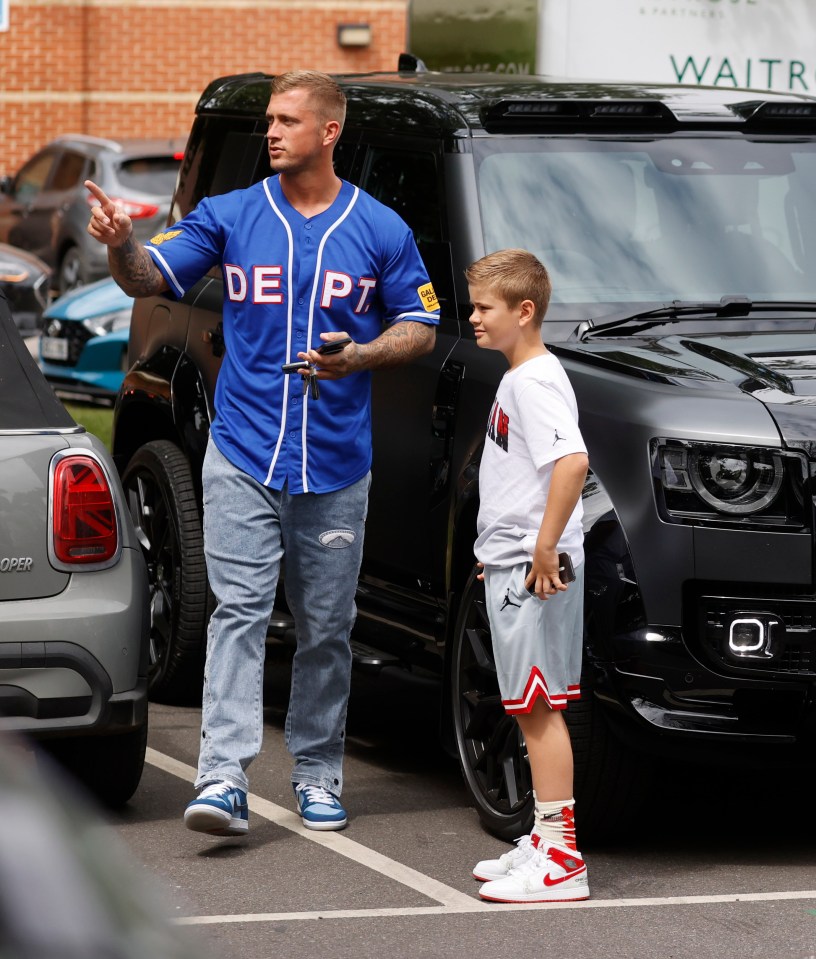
<point x="305" y="257"/>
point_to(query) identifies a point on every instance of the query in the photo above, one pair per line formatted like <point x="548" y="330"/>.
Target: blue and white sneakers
<point x="319" y="809"/>
<point x="220" y="809"/>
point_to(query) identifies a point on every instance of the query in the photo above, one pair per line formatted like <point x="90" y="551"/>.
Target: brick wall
<point x="136" y="67"/>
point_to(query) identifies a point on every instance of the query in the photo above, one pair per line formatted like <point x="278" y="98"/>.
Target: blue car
<point x="84" y="341"/>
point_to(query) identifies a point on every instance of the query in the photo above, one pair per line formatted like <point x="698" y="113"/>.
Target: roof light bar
<point x="756" y="110"/>
<point x="593" y="113"/>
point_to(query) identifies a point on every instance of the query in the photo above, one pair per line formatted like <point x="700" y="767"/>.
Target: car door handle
<point x="215" y="338"/>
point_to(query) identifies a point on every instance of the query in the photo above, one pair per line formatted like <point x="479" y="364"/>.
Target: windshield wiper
<point x="725" y="307"/>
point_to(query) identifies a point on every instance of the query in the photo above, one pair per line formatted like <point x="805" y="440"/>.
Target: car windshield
<point x="624" y="221"/>
<point x="150" y="174"/>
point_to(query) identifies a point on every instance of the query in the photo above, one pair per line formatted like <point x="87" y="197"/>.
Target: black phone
<point x="333" y="346"/>
<point x="566" y="571"/>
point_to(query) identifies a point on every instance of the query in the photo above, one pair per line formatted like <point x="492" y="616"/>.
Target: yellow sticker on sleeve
<point x="160" y="238"/>
<point x="428" y="297"/>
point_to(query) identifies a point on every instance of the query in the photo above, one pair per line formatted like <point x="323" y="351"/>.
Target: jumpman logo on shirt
<point x="563" y="439"/>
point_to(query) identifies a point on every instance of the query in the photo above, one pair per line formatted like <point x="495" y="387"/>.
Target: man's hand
<point x="109" y="224"/>
<point x="334" y="366"/>
<point x="129" y="262"/>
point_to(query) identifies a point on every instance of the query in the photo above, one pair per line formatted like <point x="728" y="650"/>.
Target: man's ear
<point x="331" y="132"/>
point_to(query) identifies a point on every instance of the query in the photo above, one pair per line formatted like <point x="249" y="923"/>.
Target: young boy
<point x="532" y="472"/>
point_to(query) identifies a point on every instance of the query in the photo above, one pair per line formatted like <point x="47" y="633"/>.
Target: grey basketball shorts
<point x="537" y="644"/>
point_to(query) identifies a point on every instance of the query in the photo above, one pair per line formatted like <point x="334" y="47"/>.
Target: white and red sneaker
<point x="553" y="874"/>
<point x="489" y="869"/>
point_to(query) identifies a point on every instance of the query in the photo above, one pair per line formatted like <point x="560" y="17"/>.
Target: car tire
<point x="71" y="272"/>
<point x="109" y="767"/>
<point x="492" y="755"/>
<point x="489" y="744"/>
<point x="162" y="502"/>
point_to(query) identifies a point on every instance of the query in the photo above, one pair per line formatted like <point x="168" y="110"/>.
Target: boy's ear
<point x="526" y="312"/>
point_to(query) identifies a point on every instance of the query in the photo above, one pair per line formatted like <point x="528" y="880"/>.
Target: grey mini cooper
<point x="73" y="586"/>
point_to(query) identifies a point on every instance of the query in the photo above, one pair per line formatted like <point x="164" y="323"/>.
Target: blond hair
<point x="514" y="275"/>
<point x="327" y="99"/>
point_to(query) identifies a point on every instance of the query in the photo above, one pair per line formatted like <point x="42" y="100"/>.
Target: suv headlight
<point x="706" y="481"/>
<point x="108" y="322"/>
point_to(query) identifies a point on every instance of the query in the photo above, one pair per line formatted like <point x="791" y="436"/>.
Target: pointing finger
<point x="98" y="192"/>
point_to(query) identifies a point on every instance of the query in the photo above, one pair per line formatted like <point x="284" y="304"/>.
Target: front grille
<point x="77" y="336"/>
<point x="797" y="649"/>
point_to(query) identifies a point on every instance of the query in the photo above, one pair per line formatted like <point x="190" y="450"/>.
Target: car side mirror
<point x="6" y="184"/>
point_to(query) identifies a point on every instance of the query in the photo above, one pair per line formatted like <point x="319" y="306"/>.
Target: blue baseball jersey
<point x="287" y="279"/>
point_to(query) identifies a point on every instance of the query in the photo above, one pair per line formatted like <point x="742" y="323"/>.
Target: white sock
<point x="555" y="821"/>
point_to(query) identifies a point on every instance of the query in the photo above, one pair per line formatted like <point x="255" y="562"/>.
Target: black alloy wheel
<point x="162" y="502"/>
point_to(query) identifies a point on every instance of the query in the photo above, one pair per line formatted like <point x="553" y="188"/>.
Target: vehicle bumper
<point x="76" y="663"/>
<point x="98" y="372"/>
<point x="678" y="692"/>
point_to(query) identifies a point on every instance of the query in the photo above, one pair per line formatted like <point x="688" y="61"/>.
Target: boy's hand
<point x="109" y="224"/>
<point x="543" y="578"/>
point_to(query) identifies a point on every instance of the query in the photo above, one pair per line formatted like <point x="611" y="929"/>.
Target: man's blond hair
<point x="514" y="275"/>
<point x="327" y="99"/>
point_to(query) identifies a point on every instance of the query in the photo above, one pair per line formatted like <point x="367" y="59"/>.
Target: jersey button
<point x="308" y="226"/>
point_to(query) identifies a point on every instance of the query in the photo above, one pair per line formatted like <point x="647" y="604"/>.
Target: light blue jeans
<point x="248" y="529"/>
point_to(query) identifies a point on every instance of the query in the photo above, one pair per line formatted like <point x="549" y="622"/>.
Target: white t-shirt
<point x="533" y="423"/>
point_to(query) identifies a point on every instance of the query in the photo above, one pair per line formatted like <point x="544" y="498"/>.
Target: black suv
<point x="679" y="225"/>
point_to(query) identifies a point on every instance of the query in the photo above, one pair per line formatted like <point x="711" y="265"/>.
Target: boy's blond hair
<point x="514" y="275"/>
<point x="327" y="99"/>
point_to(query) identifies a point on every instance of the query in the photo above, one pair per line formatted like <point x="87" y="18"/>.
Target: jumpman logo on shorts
<point x="508" y="602"/>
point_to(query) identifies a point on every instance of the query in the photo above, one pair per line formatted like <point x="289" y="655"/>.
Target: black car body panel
<point x="24" y="278"/>
<point x="677" y="224"/>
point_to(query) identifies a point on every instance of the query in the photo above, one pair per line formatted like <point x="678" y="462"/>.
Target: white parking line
<point x="451" y="901"/>
<point x="288" y="819"/>
<point x="475" y="905"/>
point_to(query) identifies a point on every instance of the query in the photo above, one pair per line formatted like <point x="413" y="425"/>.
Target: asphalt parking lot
<point x="722" y="864"/>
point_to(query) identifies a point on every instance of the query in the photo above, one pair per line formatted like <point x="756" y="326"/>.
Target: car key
<point x="310" y="383"/>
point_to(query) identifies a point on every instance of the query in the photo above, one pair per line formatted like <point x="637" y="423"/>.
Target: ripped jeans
<point x="248" y="529"/>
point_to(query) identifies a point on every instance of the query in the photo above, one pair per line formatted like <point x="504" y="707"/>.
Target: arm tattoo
<point x="134" y="270"/>
<point x="399" y="344"/>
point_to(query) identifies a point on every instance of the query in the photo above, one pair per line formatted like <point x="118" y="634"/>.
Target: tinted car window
<point x="407" y="183"/>
<point x="221" y="155"/>
<point x="69" y="171"/>
<point x="149" y="174"/>
<point x="32" y="177"/>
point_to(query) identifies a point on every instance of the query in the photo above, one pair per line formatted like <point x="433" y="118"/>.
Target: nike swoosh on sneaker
<point x="550" y="881"/>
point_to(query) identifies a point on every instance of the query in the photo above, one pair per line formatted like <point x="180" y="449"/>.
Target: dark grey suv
<point x="44" y="207"/>
<point x="680" y="228"/>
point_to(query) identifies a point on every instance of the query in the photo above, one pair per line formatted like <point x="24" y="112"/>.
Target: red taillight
<point x="134" y="209"/>
<point x="83" y="516"/>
